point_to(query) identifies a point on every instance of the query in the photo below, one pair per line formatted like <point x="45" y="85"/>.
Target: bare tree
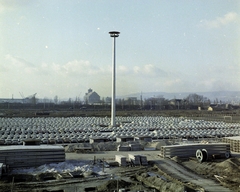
<point x="55" y="99"/>
<point x="197" y="100"/>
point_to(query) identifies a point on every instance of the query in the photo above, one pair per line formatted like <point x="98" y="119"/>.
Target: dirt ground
<point x="196" y="114"/>
<point x="224" y="172"/>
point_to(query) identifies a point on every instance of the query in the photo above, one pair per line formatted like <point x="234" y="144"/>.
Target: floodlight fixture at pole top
<point x="114" y="33"/>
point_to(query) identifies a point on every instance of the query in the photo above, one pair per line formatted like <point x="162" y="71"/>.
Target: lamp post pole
<point x="113" y="34"/>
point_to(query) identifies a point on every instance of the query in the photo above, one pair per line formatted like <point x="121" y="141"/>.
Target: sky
<point x="63" y="48"/>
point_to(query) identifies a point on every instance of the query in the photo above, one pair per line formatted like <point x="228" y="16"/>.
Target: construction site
<point x="149" y="153"/>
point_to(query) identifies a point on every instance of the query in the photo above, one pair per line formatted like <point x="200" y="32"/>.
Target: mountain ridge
<point x="212" y="95"/>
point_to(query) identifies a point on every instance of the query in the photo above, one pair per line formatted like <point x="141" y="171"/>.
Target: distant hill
<point x="229" y="96"/>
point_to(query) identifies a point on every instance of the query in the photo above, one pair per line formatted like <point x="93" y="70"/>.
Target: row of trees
<point x="192" y="101"/>
<point x="157" y="103"/>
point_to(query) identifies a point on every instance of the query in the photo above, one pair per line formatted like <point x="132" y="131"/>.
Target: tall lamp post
<point x="113" y="34"/>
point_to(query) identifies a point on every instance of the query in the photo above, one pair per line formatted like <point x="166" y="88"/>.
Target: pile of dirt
<point x="228" y="173"/>
<point x="47" y="176"/>
<point x="160" y="183"/>
<point x="114" y="184"/>
<point x="225" y="171"/>
<point x="176" y="159"/>
<point x="231" y="165"/>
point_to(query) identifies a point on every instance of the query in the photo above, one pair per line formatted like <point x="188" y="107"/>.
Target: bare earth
<point x="216" y="175"/>
<point x="165" y="175"/>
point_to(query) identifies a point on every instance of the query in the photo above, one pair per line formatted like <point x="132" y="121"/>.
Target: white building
<point x="91" y="97"/>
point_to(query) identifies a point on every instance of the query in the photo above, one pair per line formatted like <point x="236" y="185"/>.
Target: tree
<point x="161" y="102"/>
<point x="55" y="99"/>
<point x="194" y="99"/>
<point x="197" y="100"/>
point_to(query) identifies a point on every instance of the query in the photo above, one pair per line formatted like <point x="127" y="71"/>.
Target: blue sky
<point x="62" y="48"/>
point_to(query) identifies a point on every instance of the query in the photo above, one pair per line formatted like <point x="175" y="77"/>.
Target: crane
<point x="21" y="94"/>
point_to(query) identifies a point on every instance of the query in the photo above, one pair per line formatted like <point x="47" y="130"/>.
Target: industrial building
<point x="91" y="97"/>
<point x="27" y="100"/>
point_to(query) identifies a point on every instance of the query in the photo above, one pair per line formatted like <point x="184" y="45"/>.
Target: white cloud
<point x="220" y="21"/>
<point x="50" y="79"/>
<point x="9" y="5"/>
<point x="75" y="77"/>
<point x="122" y="69"/>
<point x="149" y="70"/>
<point x="19" y="65"/>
